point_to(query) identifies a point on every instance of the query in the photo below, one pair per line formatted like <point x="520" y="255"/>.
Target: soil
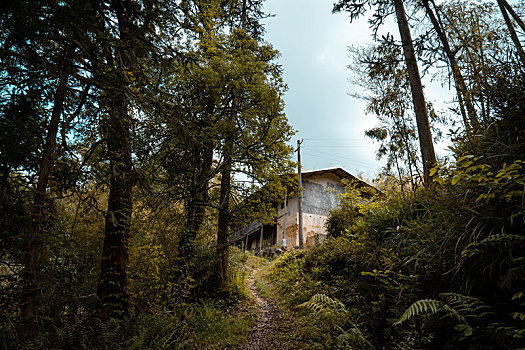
<point x="270" y="328"/>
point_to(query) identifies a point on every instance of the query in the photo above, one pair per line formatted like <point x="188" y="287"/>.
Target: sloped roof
<point x="340" y="172"/>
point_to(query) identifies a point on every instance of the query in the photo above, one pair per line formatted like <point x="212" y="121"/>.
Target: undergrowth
<point x="441" y="268"/>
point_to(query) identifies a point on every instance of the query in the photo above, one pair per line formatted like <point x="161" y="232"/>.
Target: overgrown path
<point x="270" y="327"/>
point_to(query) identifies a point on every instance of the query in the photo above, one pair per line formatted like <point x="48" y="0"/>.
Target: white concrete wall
<point x="314" y="230"/>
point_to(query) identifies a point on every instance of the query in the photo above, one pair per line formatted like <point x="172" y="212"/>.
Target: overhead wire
<point x="334" y="157"/>
<point x="338" y="160"/>
<point x="341" y="157"/>
<point x="362" y="139"/>
<point x="343" y="146"/>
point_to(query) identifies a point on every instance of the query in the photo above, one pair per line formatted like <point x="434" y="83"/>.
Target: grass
<point x="264" y="285"/>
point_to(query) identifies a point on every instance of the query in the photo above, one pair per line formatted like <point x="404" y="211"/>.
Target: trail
<point x="270" y="327"/>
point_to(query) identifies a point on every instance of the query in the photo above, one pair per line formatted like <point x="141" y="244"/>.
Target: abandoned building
<point x="320" y="194"/>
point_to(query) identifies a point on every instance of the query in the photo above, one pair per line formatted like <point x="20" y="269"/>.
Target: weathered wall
<point x="313" y="229"/>
<point x="321" y="194"/>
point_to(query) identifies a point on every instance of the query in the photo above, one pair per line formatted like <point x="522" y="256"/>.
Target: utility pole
<point x="284" y="219"/>
<point x="300" y="194"/>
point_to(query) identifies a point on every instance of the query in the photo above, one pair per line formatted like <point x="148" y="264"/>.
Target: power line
<point x="336" y="139"/>
<point x="342" y="146"/>
<point x="340" y="160"/>
<point x="341" y="157"/>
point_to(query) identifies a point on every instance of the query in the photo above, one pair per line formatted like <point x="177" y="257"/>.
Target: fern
<point x="453" y="305"/>
<point x="421" y="307"/>
<point x="353" y="338"/>
<point x="513" y="275"/>
<point x="495" y="239"/>
<point x="323" y="304"/>
<point x="466" y="306"/>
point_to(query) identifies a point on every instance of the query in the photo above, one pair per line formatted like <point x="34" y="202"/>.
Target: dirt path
<point x="269" y="327"/>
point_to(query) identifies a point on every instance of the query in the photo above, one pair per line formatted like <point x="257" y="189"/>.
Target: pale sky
<point x="314" y="55"/>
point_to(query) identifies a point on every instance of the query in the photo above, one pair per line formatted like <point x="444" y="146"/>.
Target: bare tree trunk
<point x="198" y="197"/>
<point x="195" y="210"/>
<point x="28" y="327"/>
<point x="399" y="174"/>
<point x="224" y="210"/>
<point x="464" y="96"/>
<point x="113" y="271"/>
<point x="513" y="14"/>
<point x="418" y="99"/>
<point x="111" y="291"/>
<point x="512" y="32"/>
<point x="223" y="225"/>
<point x="410" y="159"/>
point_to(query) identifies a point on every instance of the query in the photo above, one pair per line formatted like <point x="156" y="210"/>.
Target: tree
<point x="40" y="53"/>
<point x="220" y="115"/>
<point x="254" y="140"/>
<point x="464" y="96"/>
<point x="504" y="7"/>
<point x="356" y="9"/>
<point x="420" y="109"/>
<point x="379" y="69"/>
<point x="121" y="49"/>
<point x="112" y="286"/>
<point x="482" y="48"/>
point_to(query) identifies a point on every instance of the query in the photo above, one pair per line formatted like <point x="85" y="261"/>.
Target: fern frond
<point x="500" y="239"/>
<point x="421" y="307"/>
<point x="453" y="313"/>
<point x="513" y="275"/>
<point x="453" y="305"/>
<point x="466" y="306"/>
<point x="322" y="303"/>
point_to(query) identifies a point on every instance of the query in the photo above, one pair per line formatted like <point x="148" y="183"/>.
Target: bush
<point x="462" y="238"/>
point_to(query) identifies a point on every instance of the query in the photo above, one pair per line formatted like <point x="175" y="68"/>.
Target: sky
<point x="314" y="55"/>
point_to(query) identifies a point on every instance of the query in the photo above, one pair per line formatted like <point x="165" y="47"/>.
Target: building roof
<point x="340" y="172"/>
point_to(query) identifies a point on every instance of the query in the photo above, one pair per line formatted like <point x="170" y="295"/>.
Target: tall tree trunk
<point x="195" y="210"/>
<point x="418" y="99"/>
<point x="224" y="211"/>
<point x="464" y="96"/>
<point x="111" y="291"/>
<point x="197" y="200"/>
<point x="28" y="326"/>
<point x="513" y="14"/>
<point x="512" y="32"/>
<point x="223" y="225"/>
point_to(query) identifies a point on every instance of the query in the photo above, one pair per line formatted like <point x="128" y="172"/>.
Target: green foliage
<point x="194" y="326"/>
<point x="423" y="306"/>
<point x="459" y="307"/>
<point x="438" y="268"/>
<point x="355" y="204"/>
<point x="194" y="78"/>
<point x="333" y="314"/>
<point x="380" y="70"/>
<point x="323" y="304"/>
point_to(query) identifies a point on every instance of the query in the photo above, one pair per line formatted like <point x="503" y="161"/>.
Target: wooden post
<point x="246" y="243"/>
<point x="261" y="239"/>
<point x="299" y="195"/>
